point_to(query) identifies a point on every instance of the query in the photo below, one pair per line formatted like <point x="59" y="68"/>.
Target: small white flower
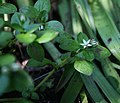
<point x="41" y="27"/>
<point x="93" y="42"/>
<point x="86" y="43"/>
<point x="22" y="18"/>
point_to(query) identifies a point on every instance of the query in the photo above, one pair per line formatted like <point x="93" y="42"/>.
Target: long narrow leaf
<point x="76" y="22"/>
<point x="64" y="11"/>
<point x="67" y="74"/>
<point x="93" y="89"/>
<point x="111" y="74"/>
<point x="105" y="86"/>
<point x="106" y="28"/>
<point x="73" y="89"/>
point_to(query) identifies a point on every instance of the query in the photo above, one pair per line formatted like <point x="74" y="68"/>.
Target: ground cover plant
<point x="72" y="57"/>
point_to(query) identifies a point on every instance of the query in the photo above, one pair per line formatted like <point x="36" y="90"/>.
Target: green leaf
<point x="1" y="22"/>
<point x="111" y="74"/>
<point x="32" y="28"/>
<point x="7" y="8"/>
<point x="101" y="52"/>
<point x="6" y="59"/>
<point x="42" y="5"/>
<point x="34" y="96"/>
<point x="22" y="80"/>
<point x="93" y="89"/>
<point x="63" y="36"/>
<point x="30" y="11"/>
<point x="43" y="16"/>
<point x="64" y="11"/>
<point x="106" y="28"/>
<point x="4" y="81"/>
<point x="5" y="38"/>
<point x="17" y="27"/>
<point x="81" y="36"/>
<point x="73" y="89"/>
<point x="26" y="38"/>
<point x="47" y="36"/>
<point x="26" y="94"/>
<point x="55" y="25"/>
<point x="83" y="97"/>
<point x="84" y="67"/>
<point x="36" y="51"/>
<point x="86" y="54"/>
<point x="15" y="19"/>
<point x="76" y="21"/>
<point x="69" y="45"/>
<point x="112" y="95"/>
<point x="67" y="74"/>
<point x="35" y="63"/>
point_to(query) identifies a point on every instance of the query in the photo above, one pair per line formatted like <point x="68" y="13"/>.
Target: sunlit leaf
<point x="47" y="36"/>
<point x="84" y="67"/>
<point x="26" y="38"/>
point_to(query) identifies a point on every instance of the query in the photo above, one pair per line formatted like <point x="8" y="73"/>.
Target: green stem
<point x="45" y="79"/>
<point x="61" y="64"/>
<point x="10" y="99"/>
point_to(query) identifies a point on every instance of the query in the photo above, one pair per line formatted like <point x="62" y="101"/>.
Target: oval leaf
<point x="69" y="45"/>
<point x="47" y="36"/>
<point x="5" y="38"/>
<point x="29" y="11"/>
<point x="6" y="59"/>
<point x="22" y="80"/>
<point x="7" y="8"/>
<point x="101" y="52"/>
<point x="36" y="51"/>
<point x="26" y="38"/>
<point x="42" y="5"/>
<point x="55" y="25"/>
<point x="84" y="67"/>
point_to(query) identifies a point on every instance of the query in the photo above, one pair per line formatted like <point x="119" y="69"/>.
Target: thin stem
<point x="45" y="79"/>
<point x="10" y="99"/>
<point x="21" y="53"/>
<point x="50" y="73"/>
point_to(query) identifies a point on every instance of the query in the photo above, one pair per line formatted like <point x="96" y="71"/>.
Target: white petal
<point x="84" y="41"/>
<point x="85" y="46"/>
<point x="41" y="27"/>
<point x="89" y="45"/>
<point x="88" y="41"/>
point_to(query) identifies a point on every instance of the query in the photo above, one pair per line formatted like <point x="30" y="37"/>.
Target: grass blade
<point x="92" y="89"/>
<point x="64" y="11"/>
<point x="105" y="86"/>
<point x="76" y="22"/>
<point x="106" y="28"/>
<point x="111" y="74"/>
<point x="67" y="74"/>
<point x="116" y="12"/>
<point x="73" y="89"/>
